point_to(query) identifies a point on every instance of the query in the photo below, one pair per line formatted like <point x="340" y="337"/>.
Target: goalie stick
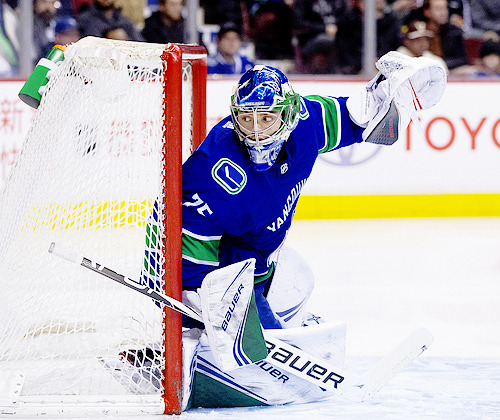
<point x="290" y="358"/>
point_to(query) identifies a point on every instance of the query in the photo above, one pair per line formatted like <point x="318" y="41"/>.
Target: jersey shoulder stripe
<point x="330" y="114"/>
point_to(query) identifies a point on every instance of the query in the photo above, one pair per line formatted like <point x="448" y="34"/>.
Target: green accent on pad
<point x="210" y="393"/>
<point x="253" y="343"/>
<point x="331" y="121"/>
<point x="199" y="249"/>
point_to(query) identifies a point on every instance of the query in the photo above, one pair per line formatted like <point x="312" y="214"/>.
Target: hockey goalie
<point x="240" y="190"/>
<point x="248" y="336"/>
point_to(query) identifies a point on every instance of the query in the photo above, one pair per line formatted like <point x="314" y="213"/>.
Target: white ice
<point x="386" y="278"/>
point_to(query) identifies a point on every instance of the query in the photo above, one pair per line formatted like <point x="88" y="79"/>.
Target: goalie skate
<point x="139" y="371"/>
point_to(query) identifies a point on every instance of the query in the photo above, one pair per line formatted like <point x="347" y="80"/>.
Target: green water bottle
<point x="30" y="92"/>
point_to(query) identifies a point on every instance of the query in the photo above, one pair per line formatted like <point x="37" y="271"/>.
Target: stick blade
<point x="389" y="366"/>
<point x="64" y="252"/>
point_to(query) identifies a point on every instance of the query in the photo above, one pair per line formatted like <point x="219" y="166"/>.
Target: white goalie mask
<point x="265" y="110"/>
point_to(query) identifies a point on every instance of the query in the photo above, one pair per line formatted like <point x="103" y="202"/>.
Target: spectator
<point x="316" y="19"/>
<point x="166" y="24"/>
<point x="135" y="10"/>
<point x="9" y="43"/>
<point x="117" y="33"/>
<point x="484" y="15"/>
<point x="44" y="22"/>
<point x="416" y="41"/>
<point x="6" y="69"/>
<point x="217" y="12"/>
<point x="315" y="29"/>
<point x="489" y="59"/>
<point x="456" y="11"/>
<point x="349" y="38"/>
<point x="271" y="30"/>
<point x="317" y="57"/>
<point x="65" y="8"/>
<point x="228" y="60"/>
<point x="403" y="8"/>
<point x="102" y="16"/>
<point x="448" y="41"/>
<point x="80" y="6"/>
<point x="66" y="32"/>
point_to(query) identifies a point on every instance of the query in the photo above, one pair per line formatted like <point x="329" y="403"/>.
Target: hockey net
<point x="104" y="147"/>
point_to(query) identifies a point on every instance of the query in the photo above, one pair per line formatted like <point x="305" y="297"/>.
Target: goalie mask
<point x="265" y="110"/>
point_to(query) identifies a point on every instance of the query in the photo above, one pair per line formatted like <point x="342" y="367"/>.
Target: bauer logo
<point x="229" y="176"/>
<point x="301" y="363"/>
<point x="232" y="306"/>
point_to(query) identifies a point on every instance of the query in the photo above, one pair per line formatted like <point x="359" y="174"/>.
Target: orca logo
<point x="229" y="176"/>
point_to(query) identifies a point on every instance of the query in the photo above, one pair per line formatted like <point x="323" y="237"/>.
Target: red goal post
<point x="173" y="57"/>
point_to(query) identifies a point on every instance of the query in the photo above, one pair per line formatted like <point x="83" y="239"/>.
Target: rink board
<point x="445" y="167"/>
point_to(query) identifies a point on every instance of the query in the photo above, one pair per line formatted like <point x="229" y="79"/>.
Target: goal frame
<point x="172" y="199"/>
<point x="172" y="62"/>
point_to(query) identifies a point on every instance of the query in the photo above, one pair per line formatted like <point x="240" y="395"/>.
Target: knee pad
<point x="292" y="284"/>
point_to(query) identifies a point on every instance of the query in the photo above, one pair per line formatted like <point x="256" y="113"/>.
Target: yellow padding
<point x="393" y="206"/>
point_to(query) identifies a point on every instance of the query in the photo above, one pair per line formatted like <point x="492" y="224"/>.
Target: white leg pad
<point x="292" y="284"/>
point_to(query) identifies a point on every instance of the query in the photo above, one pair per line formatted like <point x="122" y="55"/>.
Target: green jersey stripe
<point x="201" y="262"/>
<point x="200" y="250"/>
<point x="330" y="111"/>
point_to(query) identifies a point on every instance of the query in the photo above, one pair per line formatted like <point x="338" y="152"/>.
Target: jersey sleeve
<point x="337" y="128"/>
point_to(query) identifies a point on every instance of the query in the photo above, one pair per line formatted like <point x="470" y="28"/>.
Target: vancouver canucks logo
<point x="229" y="176"/>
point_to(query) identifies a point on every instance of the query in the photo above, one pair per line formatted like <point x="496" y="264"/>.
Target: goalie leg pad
<point x="290" y="289"/>
<point x="230" y="316"/>
<point x="265" y="382"/>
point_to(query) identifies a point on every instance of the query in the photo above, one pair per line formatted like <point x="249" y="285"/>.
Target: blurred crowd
<point x="297" y="36"/>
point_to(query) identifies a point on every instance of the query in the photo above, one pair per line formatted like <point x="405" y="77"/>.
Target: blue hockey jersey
<point x="232" y="212"/>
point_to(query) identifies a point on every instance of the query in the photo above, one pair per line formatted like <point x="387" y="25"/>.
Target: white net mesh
<point x="87" y="178"/>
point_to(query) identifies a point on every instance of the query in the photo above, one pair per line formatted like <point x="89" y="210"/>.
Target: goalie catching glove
<point x="403" y="86"/>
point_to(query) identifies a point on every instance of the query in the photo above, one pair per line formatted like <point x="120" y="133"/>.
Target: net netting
<point x="87" y="178"/>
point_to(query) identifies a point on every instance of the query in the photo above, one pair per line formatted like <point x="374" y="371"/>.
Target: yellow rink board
<point x="112" y="214"/>
<point x="393" y="206"/>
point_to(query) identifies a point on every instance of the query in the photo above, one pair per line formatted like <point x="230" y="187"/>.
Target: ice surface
<point x="386" y="278"/>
